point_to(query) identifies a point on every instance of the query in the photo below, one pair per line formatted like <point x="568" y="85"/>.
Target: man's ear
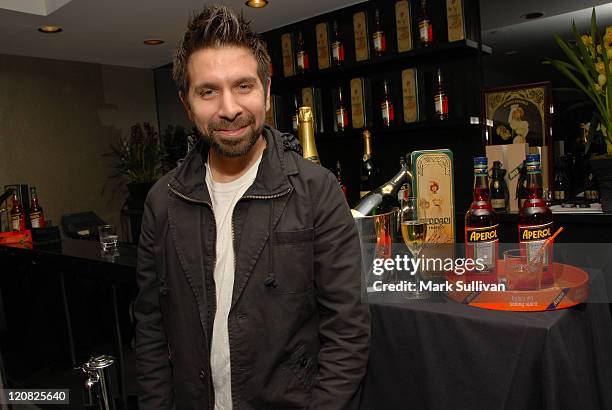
<point x="186" y="106"/>
<point x="268" y="94"/>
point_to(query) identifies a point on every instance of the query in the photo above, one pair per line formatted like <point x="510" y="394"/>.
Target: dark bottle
<point x="481" y="238"/>
<point x="536" y="220"/>
<point x="17" y="214"/>
<point x="500" y="195"/>
<point x="37" y="216"/>
<point x="386" y="107"/>
<point x="337" y="47"/>
<point x="378" y="36"/>
<point x="404" y="191"/>
<point x="369" y="172"/>
<point x="561" y="184"/>
<point x="425" y="28"/>
<point x="296" y="114"/>
<point x="383" y="198"/>
<point x="341" y="113"/>
<point x="591" y="190"/>
<point x="440" y="97"/>
<point x="340" y="181"/>
<point x="521" y="186"/>
<point x="302" y="55"/>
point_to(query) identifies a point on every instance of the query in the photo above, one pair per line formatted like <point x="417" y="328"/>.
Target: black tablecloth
<point x="453" y="356"/>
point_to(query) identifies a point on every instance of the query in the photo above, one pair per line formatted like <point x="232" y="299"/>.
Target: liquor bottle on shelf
<point x="521" y="186"/>
<point x="295" y="116"/>
<point x="302" y="55"/>
<point x="440" y="97"/>
<point x="17" y="215"/>
<point x="37" y="216"/>
<point x="500" y="195"/>
<point x="383" y="198"/>
<point x="386" y="107"/>
<point x="561" y="184"/>
<point x="337" y="46"/>
<point x="378" y="36"/>
<point x="425" y="27"/>
<point x="536" y="220"/>
<point x="340" y="180"/>
<point x="481" y="239"/>
<point x="369" y="172"/>
<point x="307" y="135"/>
<point x="341" y="113"/>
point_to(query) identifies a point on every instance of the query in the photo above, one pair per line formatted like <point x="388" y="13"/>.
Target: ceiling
<point x="112" y="31"/>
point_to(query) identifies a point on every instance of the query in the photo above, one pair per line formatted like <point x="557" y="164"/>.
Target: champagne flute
<point x="414" y="232"/>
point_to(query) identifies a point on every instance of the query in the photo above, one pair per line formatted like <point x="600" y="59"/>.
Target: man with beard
<point x="248" y="260"/>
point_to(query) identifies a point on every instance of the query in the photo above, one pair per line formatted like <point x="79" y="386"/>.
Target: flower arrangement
<point x="138" y="158"/>
<point x="589" y="68"/>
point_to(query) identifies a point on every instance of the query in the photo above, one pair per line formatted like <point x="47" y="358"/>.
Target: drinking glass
<point x="521" y="273"/>
<point x="414" y="231"/>
<point x="108" y="237"/>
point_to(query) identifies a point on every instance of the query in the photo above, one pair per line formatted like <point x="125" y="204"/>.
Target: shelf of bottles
<point x="399" y="69"/>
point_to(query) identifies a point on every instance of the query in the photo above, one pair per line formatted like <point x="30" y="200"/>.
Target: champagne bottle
<point x="369" y="172"/>
<point x="307" y="135"/>
<point x="383" y="198"/>
<point x="499" y="189"/>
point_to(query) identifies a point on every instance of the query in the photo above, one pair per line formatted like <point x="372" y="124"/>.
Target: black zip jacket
<point x="298" y="333"/>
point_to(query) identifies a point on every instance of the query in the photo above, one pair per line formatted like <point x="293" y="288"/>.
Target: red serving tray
<point x="571" y="288"/>
<point x="21" y="239"/>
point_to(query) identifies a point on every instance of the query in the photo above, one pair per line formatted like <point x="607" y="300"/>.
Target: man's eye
<point x="245" y="87"/>
<point x="206" y="93"/>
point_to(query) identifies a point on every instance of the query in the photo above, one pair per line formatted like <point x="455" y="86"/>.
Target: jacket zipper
<point x="197" y="201"/>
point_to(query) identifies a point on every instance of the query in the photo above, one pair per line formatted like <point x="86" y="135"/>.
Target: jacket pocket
<point x="304" y="366"/>
<point x="291" y="259"/>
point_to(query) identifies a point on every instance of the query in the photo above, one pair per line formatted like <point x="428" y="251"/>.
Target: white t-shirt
<point x="224" y="198"/>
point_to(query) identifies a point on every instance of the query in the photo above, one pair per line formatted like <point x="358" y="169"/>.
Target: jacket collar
<point x="271" y="179"/>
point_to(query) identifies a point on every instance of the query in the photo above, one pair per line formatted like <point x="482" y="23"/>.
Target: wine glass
<point x="414" y="231"/>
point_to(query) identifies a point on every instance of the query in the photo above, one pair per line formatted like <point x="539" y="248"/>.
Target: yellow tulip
<point x="587" y="40"/>
<point x="600" y="67"/>
<point x="597" y="87"/>
<point x="601" y="79"/>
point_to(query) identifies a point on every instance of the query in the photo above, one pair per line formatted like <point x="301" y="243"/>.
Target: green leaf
<point x="596" y="98"/>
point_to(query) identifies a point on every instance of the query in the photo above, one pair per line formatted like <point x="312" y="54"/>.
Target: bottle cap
<point x="533" y="158"/>
<point x="480" y="165"/>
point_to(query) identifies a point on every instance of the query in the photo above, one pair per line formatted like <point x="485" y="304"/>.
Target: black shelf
<point x="397" y="131"/>
<point x="415" y="57"/>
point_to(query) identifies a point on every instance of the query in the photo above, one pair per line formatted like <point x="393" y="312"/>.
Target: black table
<point x="62" y="268"/>
<point x="453" y="356"/>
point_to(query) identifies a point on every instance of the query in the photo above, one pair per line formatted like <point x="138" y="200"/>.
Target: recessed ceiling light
<point x="153" y="42"/>
<point x="256" y="4"/>
<point x="49" y="29"/>
<point x="533" y="15"/>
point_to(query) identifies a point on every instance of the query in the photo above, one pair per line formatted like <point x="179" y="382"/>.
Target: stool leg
<point x="119" y="347"/>
<point x="68" y="321"/>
